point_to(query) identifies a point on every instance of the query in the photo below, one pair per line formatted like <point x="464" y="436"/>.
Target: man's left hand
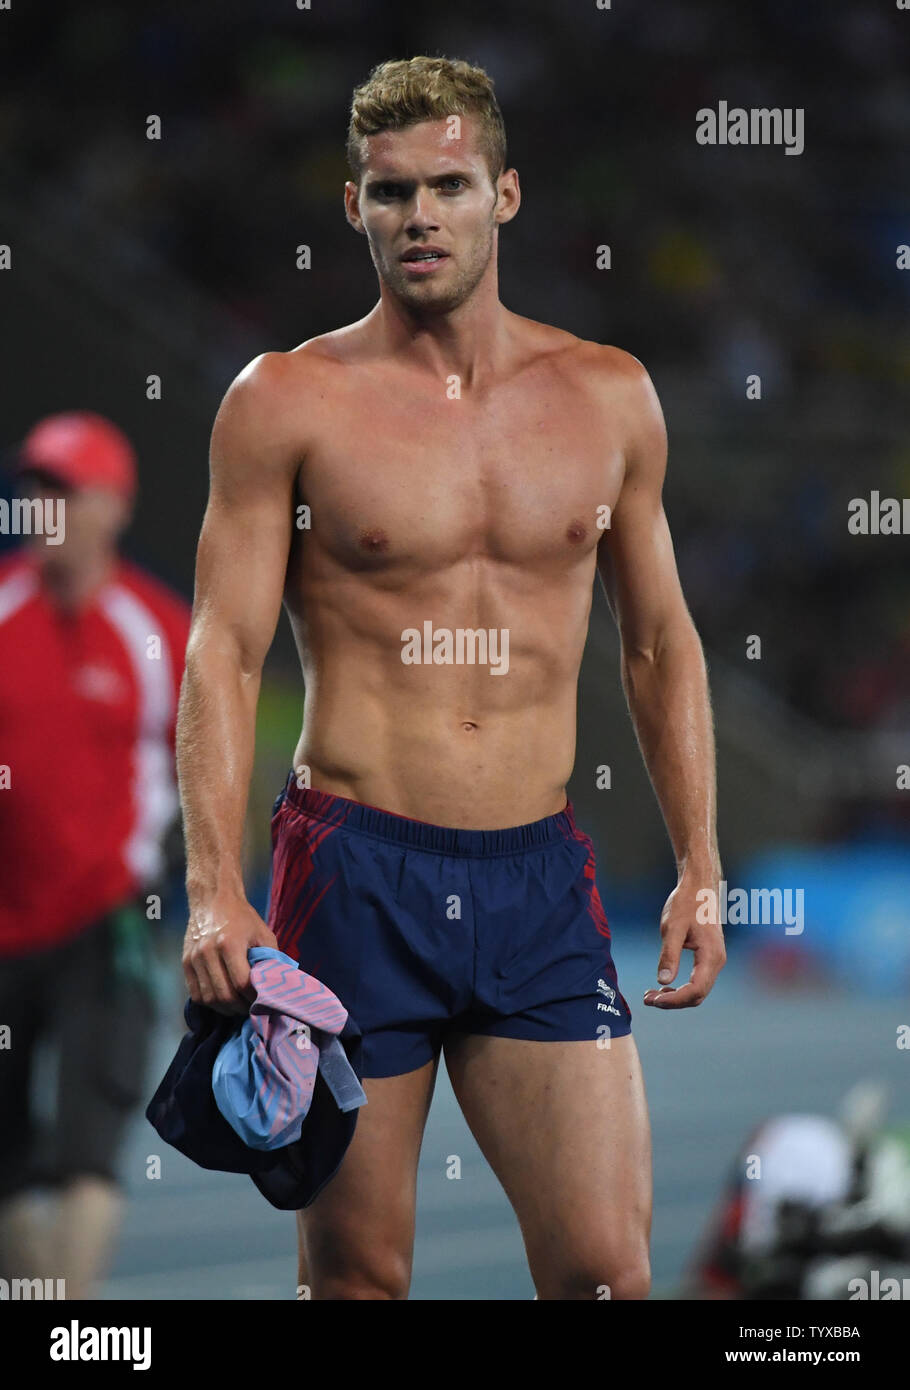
<point x="683" y="927"/>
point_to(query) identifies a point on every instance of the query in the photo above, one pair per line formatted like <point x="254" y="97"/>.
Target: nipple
<point x="374" y="541"/>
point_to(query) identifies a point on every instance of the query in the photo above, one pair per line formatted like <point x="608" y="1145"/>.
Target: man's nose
<point x="422" y="211"/>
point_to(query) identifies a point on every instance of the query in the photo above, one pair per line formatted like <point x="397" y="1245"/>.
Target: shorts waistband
<point x="419" y="834"/>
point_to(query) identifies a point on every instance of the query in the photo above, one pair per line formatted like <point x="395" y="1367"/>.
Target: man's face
<point x="429" y="186"/>
<point x="92" y="518"/>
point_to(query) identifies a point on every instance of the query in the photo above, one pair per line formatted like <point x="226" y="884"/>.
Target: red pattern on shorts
<point x="297" y="885"/>
<point x="595" y="906"/>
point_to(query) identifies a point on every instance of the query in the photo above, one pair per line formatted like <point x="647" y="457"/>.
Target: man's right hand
<point x="215" y="964"/>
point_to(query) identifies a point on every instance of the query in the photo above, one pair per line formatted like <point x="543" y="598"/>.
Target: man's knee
<point x="632" y="1281"/>
<point x="604" y="1276"/>
<point x="382" y="1278"/>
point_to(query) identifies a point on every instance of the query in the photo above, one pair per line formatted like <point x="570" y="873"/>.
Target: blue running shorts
<point x="420" y="928"/>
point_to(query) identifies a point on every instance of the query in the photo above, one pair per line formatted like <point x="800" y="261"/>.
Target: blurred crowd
<point x="725" y="261"/>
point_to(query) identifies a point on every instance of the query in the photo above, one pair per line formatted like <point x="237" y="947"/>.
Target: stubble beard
<point x="424" y="299"/>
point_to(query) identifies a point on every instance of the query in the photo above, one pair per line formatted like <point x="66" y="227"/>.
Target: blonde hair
<point x="401" y="92"/>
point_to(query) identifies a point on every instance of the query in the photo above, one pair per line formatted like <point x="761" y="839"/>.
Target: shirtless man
<point x="459" y="463"/>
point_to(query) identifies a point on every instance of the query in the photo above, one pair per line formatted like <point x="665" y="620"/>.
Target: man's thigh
<point x="564" y="1126"/>
<point x="357" y="1237"/>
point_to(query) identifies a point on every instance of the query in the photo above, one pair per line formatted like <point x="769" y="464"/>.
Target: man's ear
<point x="508" y="196"/>
<point x="352" y="207"/>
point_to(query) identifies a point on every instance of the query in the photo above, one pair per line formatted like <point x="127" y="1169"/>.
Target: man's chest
<point x="525" y="479"/>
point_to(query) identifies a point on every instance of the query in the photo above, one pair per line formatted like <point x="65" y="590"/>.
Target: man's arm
<point x="240" y="573"/>
<point x="665" y="681"/>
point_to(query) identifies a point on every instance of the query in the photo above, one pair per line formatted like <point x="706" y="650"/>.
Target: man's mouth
<point x="423" y="259"/>
<point x="424" y="253"/>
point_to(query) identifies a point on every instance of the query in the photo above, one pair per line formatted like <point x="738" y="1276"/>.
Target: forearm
<point x="668" y="698"/>
<point x="215" y="750"/>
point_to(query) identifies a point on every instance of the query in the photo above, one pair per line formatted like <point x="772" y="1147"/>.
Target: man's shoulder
<point x="614" y="384"/>
<point x="320" y="366"/>
<point x="606" y="364"/>
<point x="303" y="374"/>
<point x="271" y="408"/>
<point x="621" y="383"/>
<point x="616" y="363"/>
<point x="338" y="347"/>
<point x="271" y="374"/>
<point x="583" y="359"/>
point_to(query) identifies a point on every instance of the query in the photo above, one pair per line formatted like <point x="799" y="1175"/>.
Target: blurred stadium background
<point x="177" y="257"/>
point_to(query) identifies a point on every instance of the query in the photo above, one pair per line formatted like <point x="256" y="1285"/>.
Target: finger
<point x="199" y="968"/>
<point x="650" y="995"/>
<point x="193" y="984"/>
<point x="266" y="937"/>
<point x="668" y="964"/>
<point x="202" y="989"/>
<point x="237" y="969"/>
<point x="218" y="991"/>
<point x="686" y="997"/>
<point x="696" y="989"/>
<point x="226" y="993"/>
<point x="706" y="968"/>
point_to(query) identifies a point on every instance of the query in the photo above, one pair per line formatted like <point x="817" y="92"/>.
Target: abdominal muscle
<point x="474" y="744"/>
<point x="437" y="743"/>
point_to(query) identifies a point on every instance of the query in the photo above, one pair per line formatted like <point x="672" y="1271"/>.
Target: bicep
<point x="636" y="560"/>
<point x="246" y="532"/>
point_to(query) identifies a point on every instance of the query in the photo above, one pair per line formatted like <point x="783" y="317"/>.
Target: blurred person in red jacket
<point x="91" y="658"/>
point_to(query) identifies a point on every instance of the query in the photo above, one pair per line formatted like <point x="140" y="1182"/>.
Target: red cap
<point x="81" y="449"/>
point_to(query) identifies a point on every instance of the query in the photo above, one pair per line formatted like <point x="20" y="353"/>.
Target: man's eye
<point x="449" y="182"/>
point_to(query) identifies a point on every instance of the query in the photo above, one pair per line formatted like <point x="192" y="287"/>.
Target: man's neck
<point x="470" y="342"/>
<point x="72" y="588"/>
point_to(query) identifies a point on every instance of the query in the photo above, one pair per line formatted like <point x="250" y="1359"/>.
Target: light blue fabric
<point x="340" y="1077"/>
<point x="263" y="1076"/>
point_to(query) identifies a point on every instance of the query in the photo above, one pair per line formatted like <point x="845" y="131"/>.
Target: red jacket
<point x="87" y="712"/>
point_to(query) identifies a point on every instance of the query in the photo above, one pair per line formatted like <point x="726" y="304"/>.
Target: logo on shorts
<point x="608" y="1008"/>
